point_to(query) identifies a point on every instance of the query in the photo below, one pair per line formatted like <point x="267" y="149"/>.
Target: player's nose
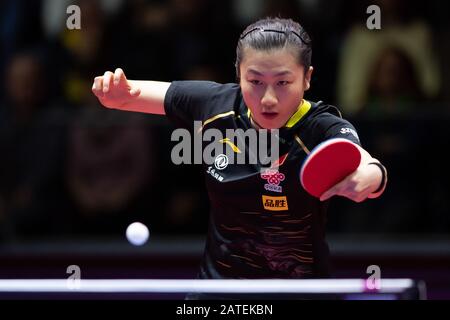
<point x="269" y="99"/>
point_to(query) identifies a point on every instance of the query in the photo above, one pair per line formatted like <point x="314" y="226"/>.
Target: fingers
<point x="107" y="80"/>
<point x="97" y="88"/>
<point x="335" y="190"/>
<point x="343" y="188"/>
<point x="103" y="84"/>
<point x="135" y="92"/>
<point x="119" y="75"/>
<point x="347" y="190"/>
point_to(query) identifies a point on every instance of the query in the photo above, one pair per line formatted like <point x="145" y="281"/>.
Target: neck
<point x="254" y="124"/>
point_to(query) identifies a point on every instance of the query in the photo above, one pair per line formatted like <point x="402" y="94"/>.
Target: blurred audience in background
<point x="394" y="86"/>
<point x="30" y="140"/>
<point x="70" y="167"/>
<point x="78" y="53"/>
<point x="404" y="41"/>
<point x="109" y="166"/>
<point x="20" y="28"/>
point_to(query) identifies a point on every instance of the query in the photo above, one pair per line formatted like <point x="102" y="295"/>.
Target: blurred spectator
<point x="394" y="87"/>
<point x="362" y="48"/>
<point x="389" y="73"/>
<point x="20" y="28"/>
<point x="54" y="14"/>
<point x="30" y="139"/>
<point x="139" y="40"/>
<point x="117" y="172"/>
<point x="110" y="170"/>
<point x="26" y="89"/>
<point x="438" y="13"/>
<point x="201" y="40"/>
<point x="80" y="54"/>
<point x="246" y="12"/>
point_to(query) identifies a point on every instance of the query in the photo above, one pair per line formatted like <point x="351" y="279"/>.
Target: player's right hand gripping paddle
<point x="328" y="164"/>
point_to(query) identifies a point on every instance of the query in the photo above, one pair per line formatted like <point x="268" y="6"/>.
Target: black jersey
<point x="263" y="224"/>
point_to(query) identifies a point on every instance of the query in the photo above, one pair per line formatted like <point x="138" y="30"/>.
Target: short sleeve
<point x="325" y="123"/>
<point x="189" y="101"/>
<point x="332" y="126"/>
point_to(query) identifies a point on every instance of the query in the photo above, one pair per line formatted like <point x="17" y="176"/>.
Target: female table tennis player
<point x="259" y="227"/>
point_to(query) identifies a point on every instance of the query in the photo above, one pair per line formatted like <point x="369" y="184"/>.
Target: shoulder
<point x="320" y="110"/>
<point x="206" y="89"/>
<point x="203" y="93"/>
<point x="200" y="100"/>
<point x="325" y="121"/>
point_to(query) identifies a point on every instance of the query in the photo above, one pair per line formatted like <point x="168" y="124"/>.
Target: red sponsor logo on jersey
<point x="274" y="178"/>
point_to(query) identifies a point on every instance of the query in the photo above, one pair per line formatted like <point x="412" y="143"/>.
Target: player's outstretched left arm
<point x="368" y="181"/>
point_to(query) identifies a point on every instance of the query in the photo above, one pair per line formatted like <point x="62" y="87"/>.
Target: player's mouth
<point x="269" y="115"/>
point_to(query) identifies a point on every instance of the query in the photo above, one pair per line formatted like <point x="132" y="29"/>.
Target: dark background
<point x="73" y="174"/>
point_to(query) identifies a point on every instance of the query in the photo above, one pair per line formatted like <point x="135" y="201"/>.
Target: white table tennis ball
<point x="137" y="233"/>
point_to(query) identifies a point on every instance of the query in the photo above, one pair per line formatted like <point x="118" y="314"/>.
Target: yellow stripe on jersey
<point x="299" y="114"/>
<point x="231" y="144"/>
<point x="303" y="109"/>
<point x="217" y="116"/>
<point x="300" y="142"/>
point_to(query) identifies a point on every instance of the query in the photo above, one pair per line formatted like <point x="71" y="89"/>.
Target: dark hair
<point x="275" y="33"/>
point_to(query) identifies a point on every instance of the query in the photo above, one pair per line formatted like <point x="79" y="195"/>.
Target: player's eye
<point x="255" y="82"/>
<point x="283" y="83"/>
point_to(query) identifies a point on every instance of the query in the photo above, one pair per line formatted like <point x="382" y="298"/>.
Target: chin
<point x="270" y="125"/>
<point x="273" y="127"/>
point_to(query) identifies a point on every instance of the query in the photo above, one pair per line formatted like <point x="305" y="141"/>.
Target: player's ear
<point x="307" y="80"/>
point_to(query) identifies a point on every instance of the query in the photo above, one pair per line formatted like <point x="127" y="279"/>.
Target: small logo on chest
<point x="274" y="178"/>
<point x="275" y="203"/>
<point x="213" y="173"/>
<point x="221" y="162"/>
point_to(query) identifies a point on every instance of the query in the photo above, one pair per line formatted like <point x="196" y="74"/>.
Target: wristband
<point x="383" y="176"/>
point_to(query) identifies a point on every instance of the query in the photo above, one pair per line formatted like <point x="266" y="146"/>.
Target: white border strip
<point x="204" y="286"/>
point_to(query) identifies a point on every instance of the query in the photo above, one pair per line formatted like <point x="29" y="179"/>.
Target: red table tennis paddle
<point x="328" y="164"/>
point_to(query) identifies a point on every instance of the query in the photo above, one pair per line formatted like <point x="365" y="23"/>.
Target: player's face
<point x="273" y="84"/>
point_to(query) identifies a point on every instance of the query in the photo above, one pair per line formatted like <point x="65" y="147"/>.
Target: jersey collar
<point x="302" y="110"/>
